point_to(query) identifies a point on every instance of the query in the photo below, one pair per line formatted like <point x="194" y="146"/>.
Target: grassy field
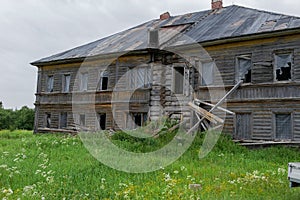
<point x="59" y="167"/>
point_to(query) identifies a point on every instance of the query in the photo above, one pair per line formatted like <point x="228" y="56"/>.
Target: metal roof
<point x="228" y="22"/>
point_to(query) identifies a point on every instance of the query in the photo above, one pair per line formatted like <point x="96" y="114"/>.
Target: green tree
<point x="24" y="118"/>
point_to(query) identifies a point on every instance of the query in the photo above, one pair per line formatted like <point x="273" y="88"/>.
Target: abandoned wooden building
<point x="259" y="47"/>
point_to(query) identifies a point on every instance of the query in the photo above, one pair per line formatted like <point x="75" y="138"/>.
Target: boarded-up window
<point x="48" y="120"/>
<point x="103" y="84"/>
<point x="50" y="81"/>
<point x="283" y="66"/>
<point x="178" y="80"/>
<point x="207" y="73"/>
<point x="243" y="68"/>
<point x="139" y="77"/>
<point x="63" y="120"/>
<point x="283" y="126"/>
<point x="82" y="120"/>
<point x="66" y="82"/>
<point x="102" y="120"/>
<point x="243" y="126"/>
<point x="83" y="81"/>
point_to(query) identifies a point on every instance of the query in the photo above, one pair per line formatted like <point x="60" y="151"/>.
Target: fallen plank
<point x="207" y="115"/>
<point x="212" y="105"/>
<point x="217" y="105"/>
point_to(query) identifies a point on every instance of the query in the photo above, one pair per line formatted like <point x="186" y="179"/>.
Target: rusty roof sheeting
<point x="228" y="22"/>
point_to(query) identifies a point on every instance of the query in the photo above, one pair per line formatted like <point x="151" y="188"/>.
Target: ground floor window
<point x="102" y="120"/>
<point x="82" y="119"/>
<point x="48" y="120"/>
<point x="135" y="120"/>
<point x="243" y="126"/>
<point x="283" y="126"/>
<point x="63" y="120"/>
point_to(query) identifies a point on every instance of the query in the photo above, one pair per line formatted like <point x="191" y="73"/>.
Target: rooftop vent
<point x="164" y="16"/>
<point x="216" y="4"/>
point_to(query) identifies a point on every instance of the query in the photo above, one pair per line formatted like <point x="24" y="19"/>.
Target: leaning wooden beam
<point x="170" y="129"/>
<point x="212" y="105"/>
<point x="207" y="115"/>
<point x="217" y="105"/>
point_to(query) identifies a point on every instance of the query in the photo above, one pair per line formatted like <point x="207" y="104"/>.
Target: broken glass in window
<point x="244" y="68"/>
<point x="283" y="67"/>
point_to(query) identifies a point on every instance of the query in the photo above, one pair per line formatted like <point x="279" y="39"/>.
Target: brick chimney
<point x="164" y="16"/>
<point x="216" y="4"/>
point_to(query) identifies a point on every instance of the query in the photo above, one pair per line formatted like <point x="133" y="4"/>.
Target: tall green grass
<point x="53" y="166"/>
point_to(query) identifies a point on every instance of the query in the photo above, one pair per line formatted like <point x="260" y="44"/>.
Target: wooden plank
<point x="217" y="105"/>
<point x="212" y="105"/>
<point x="209" y="116"/>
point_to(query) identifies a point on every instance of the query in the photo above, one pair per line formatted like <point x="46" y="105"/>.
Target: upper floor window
<point x="207" y="73"/>
<point x="243" y="68"/>
<point x="50" y="82"/>
<point x="83" y="82"/>
<point x="103" y="84"/>
<point x="178" y="80"/>
<point x="66" y="82"/>
<point x="283" y="66"/>
<point x="139" y="77"/>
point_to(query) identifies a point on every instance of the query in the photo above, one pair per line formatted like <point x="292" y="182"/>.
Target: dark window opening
<point x="283" y="126"/>
<point x="48" y="120"/>
<point x="137" y="120"/>
<point x="283" y="67"/>
<point x="102" y="121"/>
<point x="82" y="120"/>
<point x="244" y="65"/>
<point x="178" y="80"/>
<point x="207" y="73"/>
<point x="63" y="120"/>
<point x="103" y="85"/>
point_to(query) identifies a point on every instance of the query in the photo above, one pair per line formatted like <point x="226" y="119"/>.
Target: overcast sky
<point x="33" y="29"/>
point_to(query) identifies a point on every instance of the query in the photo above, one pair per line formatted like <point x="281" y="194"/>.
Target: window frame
<point x="201" y="67"/>
<point x="103" y="74"/>
<point x="250" y="126"/>
<point x="275" y="124"/>
<point x="130" y="120"/>
<point x="48" y="116"/>
<point x="66" y="84"/>
<point x="83" y="81"/>
<point x="174" y="82"/>
<point x="283" y="52"/>
<point x="50" y="85"/>
<point x="80" y="121"/>
<point x="237" y="67"/>
<point x="99" y="120"/>
<point x="61" y="118"/>
<point x="132" y="77"/>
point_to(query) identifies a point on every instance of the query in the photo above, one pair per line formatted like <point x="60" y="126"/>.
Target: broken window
<point x="243" y="126"/>
<point x="50" y="81"/>
<point x="283" y="66"/>
<point x="83" y="81"/>
<point x="48" y="120"/>
<point x="102" y="120"/>
<point x="283" y="126"/>
<point x="66" y="82"/>
<point x="178" y="80"/>
<point x="244" y="67"/>
<point x="82" y="120"/>
<point x="139" y="77"/>
<point x="103" y="81"/>
<point x="63" y="120"/>
<point x="207" y="73"/>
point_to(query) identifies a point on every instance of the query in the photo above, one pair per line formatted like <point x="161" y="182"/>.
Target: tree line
<point x="22" y="119"/>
